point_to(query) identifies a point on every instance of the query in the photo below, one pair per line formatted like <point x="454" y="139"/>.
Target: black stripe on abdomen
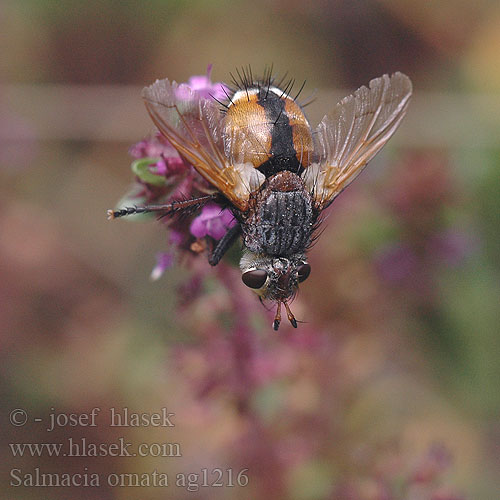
<point x="284" y="155"/>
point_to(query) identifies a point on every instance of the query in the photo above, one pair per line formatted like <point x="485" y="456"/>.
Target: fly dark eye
<point x="254" y="278"/>
<point x="304" y="270"/>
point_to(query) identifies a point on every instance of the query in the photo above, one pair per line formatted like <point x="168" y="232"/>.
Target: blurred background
<point x="390" y="388"/>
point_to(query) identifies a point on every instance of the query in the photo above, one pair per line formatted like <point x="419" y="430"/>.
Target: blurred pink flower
<point x="18" y="139"/>
<point x="436" y="461"/>
<point x="175" y="237"/>
<point x="446" y="494"/>
<point x="164" y="260"/>
<point x="403" y="262"/>
<point x="397" y="262"/>
<point x="149" y="147"/>
<point x="425" y="240"/>
<point x="203" y="86"/>
<point x="451" y="246"/>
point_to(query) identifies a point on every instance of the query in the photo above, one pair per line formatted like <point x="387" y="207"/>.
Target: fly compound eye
<point x="254" y="278"/>
<point x="303" y="271"/>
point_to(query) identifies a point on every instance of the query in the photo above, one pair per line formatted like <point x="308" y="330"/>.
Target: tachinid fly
<point x="270" y="168"/>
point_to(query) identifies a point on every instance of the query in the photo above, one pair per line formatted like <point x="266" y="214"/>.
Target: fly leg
<point x="290" y="315"/>
<point x="165" y="210"/>
<point x="224" y="244"/>
<point x="277" y="318"/>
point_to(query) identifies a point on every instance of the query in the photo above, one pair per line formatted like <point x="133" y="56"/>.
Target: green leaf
<point x="141" y="169"/>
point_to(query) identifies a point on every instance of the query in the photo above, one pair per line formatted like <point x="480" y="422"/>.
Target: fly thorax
<point x="281" y="223"/>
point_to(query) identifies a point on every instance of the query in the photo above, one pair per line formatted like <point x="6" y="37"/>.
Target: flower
<point x="158" y="148"/>
<point x="213" y="221"/>
<point x="203" y="86"/>
<point x="163" y="176"/>
<point x="164" y="260"/>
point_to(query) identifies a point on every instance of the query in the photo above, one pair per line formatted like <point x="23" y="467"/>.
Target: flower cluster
<point x="163" y="176"/>
<point x="392" y="474"/>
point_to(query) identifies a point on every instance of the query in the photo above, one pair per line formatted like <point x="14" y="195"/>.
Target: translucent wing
<point x="195" y="127"/>
<point x="353" y="133"/>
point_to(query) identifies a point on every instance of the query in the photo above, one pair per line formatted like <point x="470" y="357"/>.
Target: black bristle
<point x="300" y="90"/>
<point x="227" y="95"/>
<point x="220" y="102"/>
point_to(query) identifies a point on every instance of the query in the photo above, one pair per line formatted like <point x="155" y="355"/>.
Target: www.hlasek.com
<point x="191" y="481"/>
<point x="83" y="447"/>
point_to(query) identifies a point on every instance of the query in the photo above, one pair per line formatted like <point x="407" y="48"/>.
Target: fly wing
<point x="353" y="133"/>
<point x="195" y="127"/>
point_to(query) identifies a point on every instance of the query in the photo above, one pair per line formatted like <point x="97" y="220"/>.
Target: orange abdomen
<point x="269" y="130"/>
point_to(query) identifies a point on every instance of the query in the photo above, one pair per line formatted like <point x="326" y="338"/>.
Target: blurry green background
<point x="405" y="283"/>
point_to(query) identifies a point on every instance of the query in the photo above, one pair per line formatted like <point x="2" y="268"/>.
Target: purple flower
<point x="169" y="161"/>
<point x="175" y="237"/>
<point x="203" y="86"/>
<point x="163" y="261"/>
<point x="147" y="148"/>
<point x="213" y="221"/>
